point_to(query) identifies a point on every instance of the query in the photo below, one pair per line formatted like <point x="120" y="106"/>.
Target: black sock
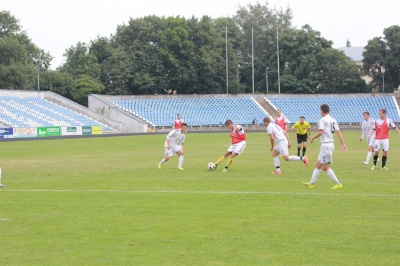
<point x="298" y="151"/>
<point x="384" y="158"/>
<point x="304" y="151"/>
<point x="375" y="159"/>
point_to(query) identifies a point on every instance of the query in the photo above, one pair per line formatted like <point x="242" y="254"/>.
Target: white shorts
<point x="381" y="143"/>
<point x="326" y="153"/>
<point x="175" y="149"/>
<point x="237" y="147"/>
<point x="371" y="141"/>
<point x="282" y="147"/>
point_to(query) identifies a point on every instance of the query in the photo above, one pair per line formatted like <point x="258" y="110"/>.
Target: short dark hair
<point x="267" y="119"/>
<point x="383" y="110"/>
<point x="184" y="124"/>
<point x="228" y="122"/>
<point x="366" y="113"/>
<point x="325" y="108"/>
<point x="302" y="117"/>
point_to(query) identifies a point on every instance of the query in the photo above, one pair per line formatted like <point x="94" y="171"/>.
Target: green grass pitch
<point x="102" y="201"/>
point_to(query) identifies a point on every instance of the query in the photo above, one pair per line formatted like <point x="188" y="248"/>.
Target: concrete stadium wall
<point x="129" y="123"/>
<point x="55" y="98"/>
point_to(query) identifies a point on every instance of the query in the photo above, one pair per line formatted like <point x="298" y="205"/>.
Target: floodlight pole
<point x="383" y="78"/>
<point x="266" y="78"/>
<point x="38" y="74"/>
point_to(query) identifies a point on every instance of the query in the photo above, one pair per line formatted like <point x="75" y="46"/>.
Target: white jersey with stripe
<point x="329" y="125"/>
<point x="277" y="131"/>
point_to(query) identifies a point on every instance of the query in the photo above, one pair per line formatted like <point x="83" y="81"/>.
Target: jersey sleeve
<point x="240" y="129"/>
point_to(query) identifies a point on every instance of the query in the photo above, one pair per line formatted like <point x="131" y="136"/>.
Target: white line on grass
<point x="3" y="219"/>
<point x="203" y="192"/>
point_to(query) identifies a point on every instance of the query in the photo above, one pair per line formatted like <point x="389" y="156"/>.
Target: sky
<point x="55" y="25"/>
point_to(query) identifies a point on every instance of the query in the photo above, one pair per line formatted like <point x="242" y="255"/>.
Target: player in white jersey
<point x="366" y="129"/>
<point x="174" y="144"/>
<point x="327" y="125"/>
<point x="279" y="136"/>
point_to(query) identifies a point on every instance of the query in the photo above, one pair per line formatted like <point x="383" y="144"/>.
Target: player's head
<point x="324" y="109"/>
<point x="382" y="113"/>
<point x="184" y="128"/>
<point x="278" y="112"/>
<point x="266" y="121"/>
<point x="366" y="115"/>
<point x="178" y="116"/>
<point x="302" y="119"/>
<point x="229" y="124"/>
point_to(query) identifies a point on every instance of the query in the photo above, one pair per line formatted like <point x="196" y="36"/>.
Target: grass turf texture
<point x="102" y="201"/>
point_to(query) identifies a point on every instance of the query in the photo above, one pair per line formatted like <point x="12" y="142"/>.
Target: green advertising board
<point x="48" y="131"/>
<point x="86" y="130"/>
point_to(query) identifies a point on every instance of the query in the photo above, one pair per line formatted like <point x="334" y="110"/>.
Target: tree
<point x="382" y="60"/>
<point x="19" y="57"/>
<point x="83" y="86"/>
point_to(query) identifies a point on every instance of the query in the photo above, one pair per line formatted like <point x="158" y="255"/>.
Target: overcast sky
<point x="55" y="25"/>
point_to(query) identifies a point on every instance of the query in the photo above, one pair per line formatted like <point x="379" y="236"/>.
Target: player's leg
<point x="181" y="155"/>
<point x="167" y="154"/>
<point x="385" y="149"/>
<point x="222" y="158"/>
<point x="377" y="147"/>
<point x="304" y="143"/>
<point x="238" y="148"/>
<point x="299" y="144"/>
<point x="275" y="157"/>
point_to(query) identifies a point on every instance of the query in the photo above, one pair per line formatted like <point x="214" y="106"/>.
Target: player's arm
<point x="319" y="134"/>
<point x="309" y="129"/>
<point x="272" y="140"/>
<point x="293" y="127"/>
<point x="372" y="132"/>
<point x="362" y="133"/>
<point x="287" y="137"/>
<point x="344" y="148"/>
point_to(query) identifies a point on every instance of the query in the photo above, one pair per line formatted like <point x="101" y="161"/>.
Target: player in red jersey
<point x="238" y="136"/>
<point x="178" y="122"/>
<point x="381" y="131"/>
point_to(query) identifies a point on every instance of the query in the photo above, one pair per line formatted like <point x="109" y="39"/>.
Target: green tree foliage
<point x="19" y="57"/>
<point x="382" y="60"/>
<point x="83" y="86"/>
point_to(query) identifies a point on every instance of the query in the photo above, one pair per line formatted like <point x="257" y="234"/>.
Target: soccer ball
<point x="211" y="166"/>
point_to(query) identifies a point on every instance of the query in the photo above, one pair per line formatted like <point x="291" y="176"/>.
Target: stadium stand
<point x="38" y="112"/>
<point x="346" y="109"/>
<point x="195" y="111"/>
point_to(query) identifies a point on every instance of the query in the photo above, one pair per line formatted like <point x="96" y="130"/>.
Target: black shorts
<point x="302" y="138"/>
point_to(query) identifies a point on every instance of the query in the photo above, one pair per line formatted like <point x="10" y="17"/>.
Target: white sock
<point x="369" y="156"/>
<point x="180" y="161"/>
<point x="315" y="175"/>
<point x="163" y="161"/>
<point x="295" y="158"/>
<point x="332" y="175"/>
<point x="276" y="162"/>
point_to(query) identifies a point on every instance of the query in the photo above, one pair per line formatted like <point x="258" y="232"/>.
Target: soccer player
<point x="327" y="125"/>
<point x="238" y="145"/>
<point x="1" y="185"/>
<point x="281" y="138"/>
<point x="280" y="120"/>
<point x="303" y="130"/>
<point x="174" y="144"/>
<point x="178" y="122"/>
<point x="381" y="130"/>
<point x="366" y="129"/>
